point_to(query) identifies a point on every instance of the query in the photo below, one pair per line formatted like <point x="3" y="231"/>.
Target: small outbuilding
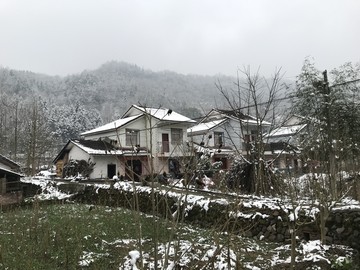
<point x="95" y="159"/>
<point x="9" y="175"/>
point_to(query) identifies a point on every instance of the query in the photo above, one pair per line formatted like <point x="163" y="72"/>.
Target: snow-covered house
<point x="225" y="132"/>
<point x="143" y="138"/>
<point x="283" y="143"/>
<point x="9" y="175"/>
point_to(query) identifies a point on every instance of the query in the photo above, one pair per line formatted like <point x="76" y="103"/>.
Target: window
<point x="250" y="137"/>
<point x="132" y="137"/>
<point x="254" y="134"/>
<point x="247" y="140"/>
<point x="176" y="135"/>
<point x="111" y="170"/>
<point x="165" y="143"/>
<point x="218" y="139"/>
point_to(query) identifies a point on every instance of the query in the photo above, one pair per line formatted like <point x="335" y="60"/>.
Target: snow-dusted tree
<point x="4" y="123"/>
<point x="254" y="95"/>
<point x="332" y="114"/>
<point x="11" y="108"/>
<point x="68" y="121"/>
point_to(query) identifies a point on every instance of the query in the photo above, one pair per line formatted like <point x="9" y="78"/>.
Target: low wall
<point x="262" y="223"/>
<point x="343" y="227"/>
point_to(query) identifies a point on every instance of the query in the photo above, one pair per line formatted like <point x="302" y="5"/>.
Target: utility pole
<point x="330" y="139"/>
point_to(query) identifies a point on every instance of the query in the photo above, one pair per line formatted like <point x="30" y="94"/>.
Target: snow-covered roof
<point x="10" y="171"/>
<point x="255" y="122"/>
<point x="112" y="126"/>
<point x="164" y="114"/>
<point x="205" y="126"/>
<point x="100" y="147"/>
<point x="236" y="115"/>
<point x="286" y="131"/>
<point x="97" y="147"/>
<point x="8" y="162"/>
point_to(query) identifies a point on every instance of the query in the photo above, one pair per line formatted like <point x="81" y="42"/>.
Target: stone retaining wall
<point x="343" y="227"/>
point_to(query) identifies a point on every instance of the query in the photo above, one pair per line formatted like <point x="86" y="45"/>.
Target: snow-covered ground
<point x="186" y="251"/>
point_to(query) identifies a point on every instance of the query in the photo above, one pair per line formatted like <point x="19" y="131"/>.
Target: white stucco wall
<point x="101" y="167"/>
<point x="233" y="134"/>
<point x="231" y="131"/>
<point x="102" y="161"/>
<point x="77" y="154"/>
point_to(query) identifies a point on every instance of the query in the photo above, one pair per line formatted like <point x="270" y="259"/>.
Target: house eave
<point x="11" y="172"/>
<point x="113" y="129"/>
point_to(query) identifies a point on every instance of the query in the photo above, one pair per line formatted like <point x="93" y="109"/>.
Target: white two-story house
<point x="225" y="132"/>
<point x="143" y="141"/>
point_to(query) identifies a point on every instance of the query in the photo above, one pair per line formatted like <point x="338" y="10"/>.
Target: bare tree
<point x="254" y="95"/>
<point x="38" y="138"/>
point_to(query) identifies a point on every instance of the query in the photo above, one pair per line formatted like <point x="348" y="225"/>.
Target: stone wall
<point x="343" y="227"/>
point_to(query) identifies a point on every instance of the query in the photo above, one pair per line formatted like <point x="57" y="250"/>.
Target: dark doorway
<point x="165" y="143"/>
<point x="133" y="169"/>
<point x="174" y="168"/>
<point x="223" y="162"/>
<point x="111" y="170"/>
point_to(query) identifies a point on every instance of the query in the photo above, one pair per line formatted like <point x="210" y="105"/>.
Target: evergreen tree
<point x="332" y="114"/>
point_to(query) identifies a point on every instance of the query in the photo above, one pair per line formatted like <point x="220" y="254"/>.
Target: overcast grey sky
<point x="187" y="36"/>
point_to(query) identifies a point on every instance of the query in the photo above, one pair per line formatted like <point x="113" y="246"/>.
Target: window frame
<point x="131" y="135"/>
<point x="177" y="138"/>
<point x="217" y="136"/>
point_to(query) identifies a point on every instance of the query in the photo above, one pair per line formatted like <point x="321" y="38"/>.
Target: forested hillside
<point x="114" y="86"/>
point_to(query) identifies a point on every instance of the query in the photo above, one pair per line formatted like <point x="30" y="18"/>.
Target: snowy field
<point x="205" y="252"/>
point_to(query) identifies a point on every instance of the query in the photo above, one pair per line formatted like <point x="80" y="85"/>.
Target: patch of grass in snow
<point x="78" y="236"/>
<point x="68" y="236"/>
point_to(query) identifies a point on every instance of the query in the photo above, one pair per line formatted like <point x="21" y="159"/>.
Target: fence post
<point x="2" y="185"/>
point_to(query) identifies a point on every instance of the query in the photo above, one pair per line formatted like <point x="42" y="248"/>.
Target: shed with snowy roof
<point x="9" y="175"/>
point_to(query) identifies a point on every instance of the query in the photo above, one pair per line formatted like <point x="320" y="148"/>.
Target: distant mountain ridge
<point x="114" y="86"/>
